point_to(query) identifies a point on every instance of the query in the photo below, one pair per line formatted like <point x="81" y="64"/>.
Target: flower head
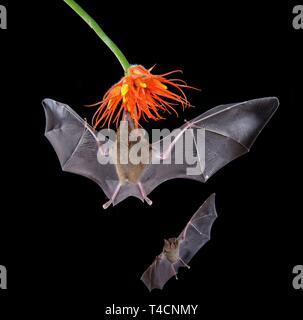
<point x="143" y="95"/>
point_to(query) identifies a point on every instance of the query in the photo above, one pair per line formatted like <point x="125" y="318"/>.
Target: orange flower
<point x="142" y="94"/>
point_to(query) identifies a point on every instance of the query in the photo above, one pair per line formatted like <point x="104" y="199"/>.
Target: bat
<point x="228" y="132"/>
<point x="177" y="252"/>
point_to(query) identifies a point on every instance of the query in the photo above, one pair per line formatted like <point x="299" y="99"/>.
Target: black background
<point x="61" y="248"/>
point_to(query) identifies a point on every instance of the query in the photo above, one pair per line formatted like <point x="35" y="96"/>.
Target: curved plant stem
<point x="101" y="34"/>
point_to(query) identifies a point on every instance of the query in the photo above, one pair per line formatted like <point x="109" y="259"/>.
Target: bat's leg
<point x="185" y="264"/>
<point x="143" y="194"/>
<point x="174" y="271"/>
<point x="110" y="201"/>
<point x="195" y="228"/>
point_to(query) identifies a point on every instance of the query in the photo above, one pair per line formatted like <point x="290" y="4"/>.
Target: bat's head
<point x="171" y="249"/>
<point x="171" y="244"/>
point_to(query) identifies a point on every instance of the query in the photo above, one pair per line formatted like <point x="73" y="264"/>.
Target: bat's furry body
<point x="128" y="173"/>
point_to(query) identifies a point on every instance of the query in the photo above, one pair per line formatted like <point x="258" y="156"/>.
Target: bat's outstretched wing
<point x="197" y="231"/>
<point x="192" y="238"/>
<point x="219" y="136"/>
<point x="76" y="145"/>
<point x="158" y="273"/>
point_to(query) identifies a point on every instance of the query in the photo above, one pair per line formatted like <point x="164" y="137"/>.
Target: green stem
<point x="101" y="34"/>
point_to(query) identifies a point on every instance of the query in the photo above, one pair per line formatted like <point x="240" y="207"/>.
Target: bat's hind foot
<point x="107" y="204"/>
<point x="185" y="264"/>
<point x="112" y="199"/>
<point x="143" y="194"/>
<point x="174" y="271"/>
<point x="149" y="202"/>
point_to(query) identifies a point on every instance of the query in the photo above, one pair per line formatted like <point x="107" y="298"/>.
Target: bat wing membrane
<point x="227" y="132"/>
<point x="197" y="232"/>
<point x="76" y="146"/>
<point x="158" y="273"/>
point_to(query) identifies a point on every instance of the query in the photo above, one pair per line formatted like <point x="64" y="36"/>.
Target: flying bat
<point x="228" y="131"/>
<point x="177" y="252"/>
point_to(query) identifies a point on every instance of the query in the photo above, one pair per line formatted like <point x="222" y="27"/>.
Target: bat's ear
<point x="166" y="242"/>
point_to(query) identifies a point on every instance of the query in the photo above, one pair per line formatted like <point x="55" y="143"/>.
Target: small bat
<point x="177" y="252"/>
<point x="229" y="132"/>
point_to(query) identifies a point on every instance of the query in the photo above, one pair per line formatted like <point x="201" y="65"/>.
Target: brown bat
<point x="177" y="252"/>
